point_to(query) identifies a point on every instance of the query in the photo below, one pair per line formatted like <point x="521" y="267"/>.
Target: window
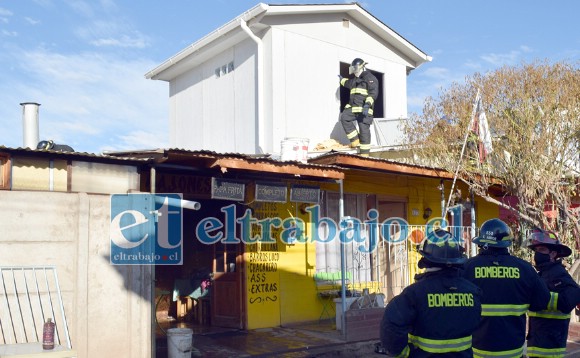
<point x="5" y="165"/>
<point x="224" y="69"/>
<point x="379" y="108"/>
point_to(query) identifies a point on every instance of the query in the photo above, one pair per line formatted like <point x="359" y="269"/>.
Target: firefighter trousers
<point x="347" y="118"/>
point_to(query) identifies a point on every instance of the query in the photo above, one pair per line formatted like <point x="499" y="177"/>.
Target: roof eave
<point x="232" y="33"/>
<point x="161" y="72"/>
<point x="235" y="161"/>
<point x="357" y="12"/>
<point x="379" y="165"/>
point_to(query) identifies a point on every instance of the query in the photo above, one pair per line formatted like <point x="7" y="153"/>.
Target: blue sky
<point x="85" y="61"/>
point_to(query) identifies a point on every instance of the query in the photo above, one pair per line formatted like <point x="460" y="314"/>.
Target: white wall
<point x="305" y="95"/>
<point x="302" y="55"/>
<point x="107" y="313"/>
<point x="216" y="113"/>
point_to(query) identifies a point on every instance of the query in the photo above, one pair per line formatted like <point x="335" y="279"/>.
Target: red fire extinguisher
<point x="48" y="334"/>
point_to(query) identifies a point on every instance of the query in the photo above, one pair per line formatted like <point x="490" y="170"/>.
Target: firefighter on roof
<point x="364" y="89"/>
<point x="510" y="287"/>
<point x="437" y="314"/>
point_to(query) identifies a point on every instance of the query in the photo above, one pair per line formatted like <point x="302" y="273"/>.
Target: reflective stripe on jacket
<point x="514" y="353"/>
<point x="363" y="89"/>
<point x="441" y="345"/>
<point x="510" y="287"/>
<point x="434" y="315"/>
<point x="548" y="329"/>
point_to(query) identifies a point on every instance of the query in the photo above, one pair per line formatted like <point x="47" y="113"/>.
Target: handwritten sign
<point x="263" y="277"/>
<point x="273" y="192"/>
<point x="227" y="189"/>
<point x="305" y="194"/>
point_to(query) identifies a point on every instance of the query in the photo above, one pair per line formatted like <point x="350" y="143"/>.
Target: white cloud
<point x="9" y="33"/>
<point x="5" y="12"/>
<point x="436" y="72"/>
<point x="112" y="33"/>
<point x="5" y="15"/>
<point x="108" y="5"/>
<point x="81" y="7"/>
<point x="500" y="59"/>
<point x="141" y="140"/>
<point x="476" y="66"/>
<point x="122" y="41"/>
<point x="44" y="3"/>
<point x="31" y="21"/>
<point x="88" y="101"/>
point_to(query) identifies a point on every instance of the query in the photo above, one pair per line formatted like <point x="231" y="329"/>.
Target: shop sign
<point x="271" y="192"/>
<point x="227" y="189"/>
<point x="305" y="194"/>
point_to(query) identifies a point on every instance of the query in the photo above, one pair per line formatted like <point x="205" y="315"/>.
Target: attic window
<point x="224" y="69"/>
<point x="379" y="107"/>
<point x="4" y="171"/>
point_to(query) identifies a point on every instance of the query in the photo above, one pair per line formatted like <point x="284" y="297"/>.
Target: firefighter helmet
<point x="440" y="247"/>
<point x="494" y="233"/>
<point x="45" y="144"/>
<point x="356" y="67"/>
<point x="540" y="237"/>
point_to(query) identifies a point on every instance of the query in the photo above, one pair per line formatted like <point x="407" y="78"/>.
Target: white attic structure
<point x="271" y="73"/>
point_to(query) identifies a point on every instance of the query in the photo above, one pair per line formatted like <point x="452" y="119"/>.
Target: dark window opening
<point x="379" y="108"/>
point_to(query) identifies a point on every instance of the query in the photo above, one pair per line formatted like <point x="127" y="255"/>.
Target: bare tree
<point x="533" y="111"/>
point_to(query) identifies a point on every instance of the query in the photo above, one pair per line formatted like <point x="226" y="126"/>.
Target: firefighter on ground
<point x="364" y="89"/>
<point x="548" y="329"/>
<point x="510" y="287"/>
<point x="437" y="314"/>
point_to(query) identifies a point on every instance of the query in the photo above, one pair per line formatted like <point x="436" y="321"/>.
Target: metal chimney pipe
<point x="30" y="124"/>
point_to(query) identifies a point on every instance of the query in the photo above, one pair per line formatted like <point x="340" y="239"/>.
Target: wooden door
<point x="227" y="298"/>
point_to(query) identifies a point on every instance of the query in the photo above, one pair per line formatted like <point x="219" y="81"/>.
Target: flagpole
<point x="473" y="113"/>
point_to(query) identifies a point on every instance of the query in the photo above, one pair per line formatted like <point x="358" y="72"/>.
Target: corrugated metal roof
<point x="328" y="165"/>
<point x="354" y="161"/>
<point x="73" y="155"/>
<point x="249" y="162"/>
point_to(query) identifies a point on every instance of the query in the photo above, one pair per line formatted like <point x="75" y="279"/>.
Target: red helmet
<point x="540" y="237"/>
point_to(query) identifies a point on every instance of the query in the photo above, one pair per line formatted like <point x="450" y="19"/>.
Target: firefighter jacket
<point x="363" y="89"/>
<point x="548" y="329"/>
<point x="511" y="287"/>
<point x="434" y="316"/>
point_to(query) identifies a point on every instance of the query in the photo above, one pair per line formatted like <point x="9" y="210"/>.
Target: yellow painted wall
<point x="280" y="287"/>
<point x="419" y="193"/>
<point x="34" y="174"/>
<point x="279" y="277"/>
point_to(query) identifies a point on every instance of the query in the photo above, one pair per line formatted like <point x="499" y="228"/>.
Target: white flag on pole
<point x="483" y="130"/>
<point x="484" y="133"/>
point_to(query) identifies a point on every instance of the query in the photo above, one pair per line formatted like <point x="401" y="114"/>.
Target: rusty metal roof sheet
<point x="226" y="161"/>
<point x="354" y="161"/>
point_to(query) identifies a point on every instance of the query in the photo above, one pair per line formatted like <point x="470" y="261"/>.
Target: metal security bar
<point x="29" y="295"/>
